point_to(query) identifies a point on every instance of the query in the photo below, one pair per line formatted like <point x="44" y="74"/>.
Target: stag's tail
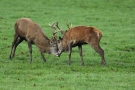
<point x="16" y="26"/>
<point x="99" y="34"/>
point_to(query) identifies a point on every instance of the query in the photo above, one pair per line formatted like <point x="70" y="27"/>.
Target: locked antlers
<point x="54" y="26"/>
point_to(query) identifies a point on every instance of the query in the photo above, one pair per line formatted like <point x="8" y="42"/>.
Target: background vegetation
<point x="116" y="20"/>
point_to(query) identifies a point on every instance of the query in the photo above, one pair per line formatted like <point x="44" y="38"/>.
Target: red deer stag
<point x="26" y="29"/>
<point x="79" y="35"/>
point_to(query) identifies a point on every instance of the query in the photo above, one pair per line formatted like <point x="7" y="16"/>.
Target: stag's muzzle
<point x="57" y="54"/>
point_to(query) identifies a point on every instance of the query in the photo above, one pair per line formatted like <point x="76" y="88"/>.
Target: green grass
<point x="116" y="20"/>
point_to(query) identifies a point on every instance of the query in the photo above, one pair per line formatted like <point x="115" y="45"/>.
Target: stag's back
<point x="82" y="34"/>
<point x="28" y="29"/>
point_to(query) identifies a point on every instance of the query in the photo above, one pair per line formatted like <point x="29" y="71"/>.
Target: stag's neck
<point x="65" y="46"/>
<point x="44" y="45"/>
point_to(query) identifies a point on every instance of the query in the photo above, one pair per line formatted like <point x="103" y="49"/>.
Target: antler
<point x="60" y="30"/>
<point x="56" y="26"/>
<point x="69" y="25"/>
<point x="53" y="27"/>
<point x="53" y="30"/>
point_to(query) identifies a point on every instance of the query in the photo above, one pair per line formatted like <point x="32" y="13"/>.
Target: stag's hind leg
<point x="19" y="40"/>
<point x="100" y="51"/>
<point x="14" y="45"/>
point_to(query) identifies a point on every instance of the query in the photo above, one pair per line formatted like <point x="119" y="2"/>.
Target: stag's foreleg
<point x="81" y="56"/>
<point x="30" y="50"/>
<point x="43" y="57"/>
<point x="69" y="53"/>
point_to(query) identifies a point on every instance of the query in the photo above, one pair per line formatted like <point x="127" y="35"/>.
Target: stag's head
<point x="54" y="27"/>
<point x="54" y="46"/>
<point x="53" y="41"/>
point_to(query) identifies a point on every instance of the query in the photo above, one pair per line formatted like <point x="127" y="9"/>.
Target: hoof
<point x="103" y="63"/>
<point x="83" y="64"/>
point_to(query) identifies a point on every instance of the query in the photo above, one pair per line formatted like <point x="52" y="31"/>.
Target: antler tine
<point x="60" y="30"/>
<point x="58" y="26"/>
<point x="69" y="26"/>
<point x="52" y="25"/>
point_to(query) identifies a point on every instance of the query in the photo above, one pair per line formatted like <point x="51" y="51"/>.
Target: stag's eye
<point x="53" y="44"/>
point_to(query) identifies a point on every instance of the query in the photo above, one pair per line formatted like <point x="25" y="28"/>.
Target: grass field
<point x="116" y="20"/>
